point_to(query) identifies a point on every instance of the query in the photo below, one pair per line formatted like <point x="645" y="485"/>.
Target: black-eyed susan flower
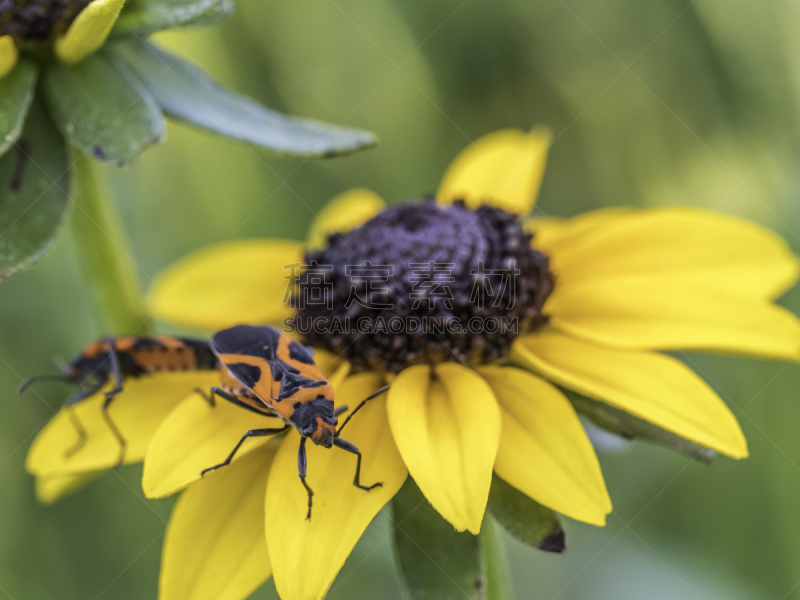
<point x="493" y="333"/>
<point x="80" y="74"/>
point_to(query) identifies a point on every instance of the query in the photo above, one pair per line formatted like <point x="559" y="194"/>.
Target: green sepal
<point x="102" y="109"/>
<point x="434" y="561"/>
<point x="524" y="518"/>
<point x="625" y="425"/>
<point x="149" y="16"/>
<point x="187" y="93"/>
<point x="16" y="95"/>
<point x="34" y="193"/>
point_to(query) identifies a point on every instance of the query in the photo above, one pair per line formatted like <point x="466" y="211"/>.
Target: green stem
<point x="495" y="561"/>
<point x="103" y="251"/>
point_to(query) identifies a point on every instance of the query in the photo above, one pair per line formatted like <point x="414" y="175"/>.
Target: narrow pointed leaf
<point x="148" y="16"/>
<point x="434" y="561"/>
<point x="103" y="110"/>
<point x="34" y="193"/>
<point x="187" y="93"/>
<point x="626" y="425"/>
<point x="524" y="518"/>
<point x="16" y="95"/>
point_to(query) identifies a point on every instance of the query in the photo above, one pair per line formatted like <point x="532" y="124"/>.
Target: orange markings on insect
<point x="268" y="372"/>
<point x="116" y="359"/>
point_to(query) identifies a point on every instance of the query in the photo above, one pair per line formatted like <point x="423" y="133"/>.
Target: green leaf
<point x="524" y="518"/>
<point x="185" y="92"/>
<point x="148" y="16"/>
<point x="434" y="560"/>
<point x="16" y="95"/>
<point x="103" y="109"/>
<point x="34" y="193"/>
<point x="624" y="424"/>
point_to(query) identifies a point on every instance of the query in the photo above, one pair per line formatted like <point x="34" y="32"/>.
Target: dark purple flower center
<point x="423" y="283"/>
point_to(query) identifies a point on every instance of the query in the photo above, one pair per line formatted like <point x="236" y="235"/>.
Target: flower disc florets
<point x="424" y="283"/>
<point x="38" y="20"/>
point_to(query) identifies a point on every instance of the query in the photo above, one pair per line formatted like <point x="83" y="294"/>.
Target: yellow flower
<point x="599" y="298"/>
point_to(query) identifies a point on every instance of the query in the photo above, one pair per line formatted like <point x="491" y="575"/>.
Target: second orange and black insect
<point x="116" y="359"/>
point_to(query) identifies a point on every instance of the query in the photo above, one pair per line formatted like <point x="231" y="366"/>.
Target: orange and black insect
<point x="115" y="359"/>
<point x="270" y="373"/>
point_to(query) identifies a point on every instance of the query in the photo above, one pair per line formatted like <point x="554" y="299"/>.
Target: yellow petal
<point x="653" y="387"/>
<point x="544" y="451"/>
<point x="553" y="232"/>
<point x="306" y="555"/>
<point x="88" y="32"/>
<point x="137" y="411"/>
<point x="52" y="488"/>
<point x="196" y="436"/>
<point x="504" y="169"/>
<point x="679" y="247"/>
<point x="8" y="55"/>
<point x="655" y="315"/>
<point x="225" y="284"/>
<point x="345" y="212"/>
<point x="215" y="547"/>
<point x="447" y="429"/>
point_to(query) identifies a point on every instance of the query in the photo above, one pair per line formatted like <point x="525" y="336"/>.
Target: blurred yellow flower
<point x="8" y="55"/>
<point x="78" y="28"/>
<point x="88" y="32"/>
<point x="600" y="297"/>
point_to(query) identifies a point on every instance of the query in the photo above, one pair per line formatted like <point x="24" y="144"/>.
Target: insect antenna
<point x="46" y="377"/>
<point x="357" y="408"/>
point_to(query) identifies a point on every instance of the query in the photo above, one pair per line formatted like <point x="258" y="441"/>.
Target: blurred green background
<point x="651" y="103"/>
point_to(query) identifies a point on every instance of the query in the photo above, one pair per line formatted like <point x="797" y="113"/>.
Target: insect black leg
<point x="207" y="397"/>
<point x="301" y="470"/>
<point x="216" y="391"/>
<point x="78" y="396"/>
<point x="360" y="406"/>
<point x="79" y="431"/>
<point x="340" y="410"/>
<point x="116" y="370"/>
<point x="47" y="377"/>
<point x="249" y="434"/>
<point x="348" y="447"/>
<point x="123" y="445"/>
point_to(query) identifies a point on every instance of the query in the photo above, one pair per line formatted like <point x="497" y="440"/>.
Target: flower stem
<point x="103" y="251"/>
<point x="493" y="552"/>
